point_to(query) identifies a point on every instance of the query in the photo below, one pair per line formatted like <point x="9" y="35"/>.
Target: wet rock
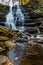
<point x="4" y="60"/>
<point x="41" y="28"/>
<point x="34" y="50"/>
<point x="9" y="44"/>
<point x="26" y="61"/>
<point x="6" y="41"/>
<point x="40" y="41"/>
<point x="6" y="45"/>
<point x="3" y="9"/>
<point x="1" y="49"/>
<point x="2" y="18"/>
<point x="32" y="24"/>
<point x="6" y="32"/>
<point x="31" y="30"/>
<point x="19" y="34"/>
<point x="26" y="33"/>
<point x="25" y="37"/>
<point x="30" y="52"/>
<point x="21" y="40"/>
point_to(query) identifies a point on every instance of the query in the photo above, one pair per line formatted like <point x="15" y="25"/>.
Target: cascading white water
<point x="10" y="20"/>
<point x="20" y="15"/>
<point x="19" y="18"/>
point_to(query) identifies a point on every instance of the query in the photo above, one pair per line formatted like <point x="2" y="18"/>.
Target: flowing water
<point x="11" y="23"/>
<point x="20" y="15"/>
<point x="10" y="20"/>
<point x="18" y="53"/>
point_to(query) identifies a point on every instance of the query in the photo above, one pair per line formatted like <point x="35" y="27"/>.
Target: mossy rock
<point x="19" y="34"/>
<point x="9" y="44"/>
<point x="6" y="45"/>
<point x="6" y="32"/>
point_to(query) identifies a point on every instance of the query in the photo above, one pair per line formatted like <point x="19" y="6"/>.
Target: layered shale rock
<point x="34" y="53"/>
<point x="34" y="50"/>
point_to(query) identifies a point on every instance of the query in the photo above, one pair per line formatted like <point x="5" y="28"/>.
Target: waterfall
<point x="20" y="16"/>
<point x="20" y="19"/>
<point x="10" y="20"/>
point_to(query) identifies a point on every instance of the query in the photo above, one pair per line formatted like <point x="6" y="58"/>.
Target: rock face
<point x="3" y="10"/>
<point x="2" y="17"/>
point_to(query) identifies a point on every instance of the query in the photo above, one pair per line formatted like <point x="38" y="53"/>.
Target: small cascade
<point x="10" y="20"/>
<point x="20" y="19"/>
<point x="20" y="16"/>
<point x="11" y="23"/>
<point x="38" y="30"/>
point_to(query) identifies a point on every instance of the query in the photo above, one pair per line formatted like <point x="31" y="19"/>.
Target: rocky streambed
<point x="20" y="48"/>
<point x="9" y="48"/>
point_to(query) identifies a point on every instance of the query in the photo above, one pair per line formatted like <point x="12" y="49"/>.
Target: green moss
<point x="19" y="34"/>
<point x="7" y="44"/>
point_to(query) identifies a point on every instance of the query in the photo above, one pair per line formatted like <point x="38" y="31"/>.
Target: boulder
<point x="6" y="32"/>
<point x="4" y="60"/>
<point x="10" y="44"/>
<point x="34" y="50"/>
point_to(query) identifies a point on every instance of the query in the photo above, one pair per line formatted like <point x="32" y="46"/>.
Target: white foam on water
<point x="10" y="23"/>
<point x="10" y="20"/>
